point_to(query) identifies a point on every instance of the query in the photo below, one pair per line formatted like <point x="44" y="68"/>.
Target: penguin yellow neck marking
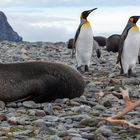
<point x="135" y="28"/>
<point x="86" y="23"/>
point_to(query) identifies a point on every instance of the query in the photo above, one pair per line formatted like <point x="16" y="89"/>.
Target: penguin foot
<point x="86" y="68"/>
<point x="121" y="72"/>
<point x="80" y="69"/>
<point x="129" y="105"/>
<point x="83" y="69"/>
<point x="139" y="59"/>
<point x="128" y="75"/>
<point x="87" y="73"/>
<point x="125" y="75"/>
<point x="98" y="52"/>
<point x="131" y="74"/>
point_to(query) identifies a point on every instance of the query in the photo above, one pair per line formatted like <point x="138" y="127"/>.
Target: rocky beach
<point x="65" y="119"/>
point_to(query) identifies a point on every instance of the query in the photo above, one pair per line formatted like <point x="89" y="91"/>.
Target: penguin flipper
<point x="139" y="59"/>
<point x="97" y="48"/>
<point x="122" y="39"/>
<point x="98" y="52"/>
<point x="75" y="39"/>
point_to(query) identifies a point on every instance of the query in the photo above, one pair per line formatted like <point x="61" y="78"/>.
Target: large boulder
<point x="6" y="31"/>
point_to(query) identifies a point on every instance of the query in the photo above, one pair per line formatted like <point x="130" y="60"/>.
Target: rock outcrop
<point x="6" y="31"/>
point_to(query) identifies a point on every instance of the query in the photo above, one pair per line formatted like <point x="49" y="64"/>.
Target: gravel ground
<point x="65" y="119"/>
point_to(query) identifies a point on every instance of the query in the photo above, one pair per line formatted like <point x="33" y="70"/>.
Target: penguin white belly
<point x="84" y="45"/>
<point x="130" y="50"/>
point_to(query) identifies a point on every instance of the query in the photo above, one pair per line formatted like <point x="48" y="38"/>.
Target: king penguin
<point x="129" y="47"/>
<point x="83" y="42"/>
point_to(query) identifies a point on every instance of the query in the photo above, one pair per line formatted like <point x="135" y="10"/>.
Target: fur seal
<point x="100" y="40"/>
<point x="112" y="43"/>
<point x="70" y="43"/>
<point x="39" y="81"/>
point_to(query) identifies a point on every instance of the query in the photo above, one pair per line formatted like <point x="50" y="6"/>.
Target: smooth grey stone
<point x="30" y="104"/>
<point x="105" y="131"/>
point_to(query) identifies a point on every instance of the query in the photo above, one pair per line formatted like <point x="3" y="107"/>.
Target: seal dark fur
<point x="39" y="81"/>
<point x="100" y="40"/>
<point x="112" y="43"/>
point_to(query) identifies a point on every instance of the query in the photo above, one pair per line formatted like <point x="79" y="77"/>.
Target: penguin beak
<point x="91" y="10"/>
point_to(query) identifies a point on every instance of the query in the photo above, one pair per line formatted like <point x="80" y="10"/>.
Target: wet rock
<point x="99" y="107"/>
<point x="30" y="104"/>
<point x="3" y="117"/>
<point x="105" y="131"/>
<point x="80" y="117"/>
<point x="18" y="120"/>
<point x="12" y="104"/>
<point x="108" y="100"/>
<point x="2" y="105"/>
<point x="132" y="81"/>
<point x="40" y="113"/>
<point x="24" y="51"/>
<point x="4" y="137"/>
<point x="78" y="138"/>
<point x="47" y="107"/>
<point x="55" y="137"/>
<point x="89" y="122"/>
<point x="19" y="104"/>
<point x="19" y="133"/>
<point x="39" y="123"/>
<point x="88" y="136"/>
<point x="75" y="135"/>
<point x="82" y="108"/>
<point x="51" y="118"/>
<point x="63" y="133"/>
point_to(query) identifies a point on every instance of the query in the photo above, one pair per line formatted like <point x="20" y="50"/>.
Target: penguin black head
<point x="134" y="19"/>
<point x="85" y="14"/>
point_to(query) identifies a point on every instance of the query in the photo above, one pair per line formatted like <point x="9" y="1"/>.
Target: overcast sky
<point x="50" y="20"/>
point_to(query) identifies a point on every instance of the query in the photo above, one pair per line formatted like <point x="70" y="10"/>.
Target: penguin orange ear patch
<point x="81" y="15"/>
<point x="86" y="23"/>
<point x="135" y="27"/>
<point x="131" y="19"/>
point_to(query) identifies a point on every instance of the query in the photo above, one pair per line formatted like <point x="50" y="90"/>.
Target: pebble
<point x="81" y="108"/>
<point x="78" y="138"/>
<point x="3" y="117"/>
<point x="2" y="105"/>
<point x="50" y="118"/>
<point x="108" y="100"/>
<point x="99" y="107"/>
<point x="30" y="104"/>
<point x="69" y="119"/>
<point x="40" y="113"/>
<point x="47" y="107"/>
<point x="105" y="131"/>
